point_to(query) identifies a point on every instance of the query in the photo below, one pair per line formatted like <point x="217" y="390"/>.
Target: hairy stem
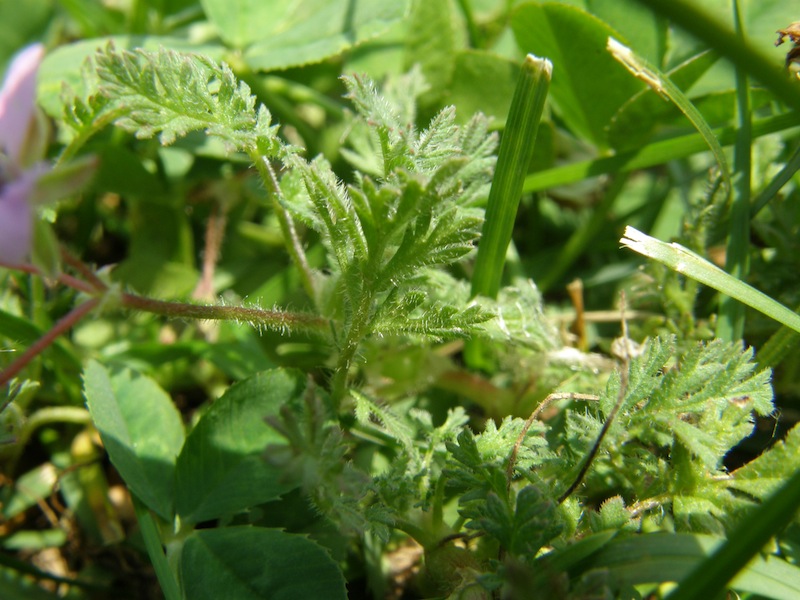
<point x="355" y="334"/>
<point x="63" y="278"/>
<point x="83" y="269"/>
<point x="293" y="244"/>
<point x="270" y="319"/>
<point x="85" y="133"/>
<point x="215" y="232"/>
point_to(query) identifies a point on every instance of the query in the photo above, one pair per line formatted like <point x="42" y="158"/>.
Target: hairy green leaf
<point x="367" y="411"/>
<point x="762" y="476"/>
<point x="521" y="529"/>
<point x="681" y="413"/>
<point x="171" y="94"/>
<point x="416" y="210"/>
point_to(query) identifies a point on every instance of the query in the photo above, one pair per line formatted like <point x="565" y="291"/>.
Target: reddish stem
<point x="82" y="268"/>
<point x="272" y="319"/>
<point x="62" y="326"/>
<point x="68" y="280"/>
<point x="215" y="231"/>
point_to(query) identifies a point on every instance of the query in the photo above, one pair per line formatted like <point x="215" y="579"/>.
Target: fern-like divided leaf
<point x="368" y="410"/>
<point x="418" y="210"/>
<point x="382" y="234"/>
<point x="391" y="118"/>
<point x="519" y="318"/>
<point x="705" y="400"/>
<point x="523" y="521"/>
<point x="523" y="528"/>
<point x="84" y="109"/>
<point x="479" y="463"/>
<point x="413" y="314"/>
<point x="681" y="414"/>
<point x="315" y="460"/>
<point x="171" y="94"/>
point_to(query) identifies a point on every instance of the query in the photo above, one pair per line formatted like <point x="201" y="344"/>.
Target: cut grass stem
<point x="694" y="266"/>
<point x="514" y="158"/>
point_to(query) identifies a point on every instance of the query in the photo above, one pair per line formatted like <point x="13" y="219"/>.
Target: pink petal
<point x="18" y="100"/>
<point x="16" y="218"/>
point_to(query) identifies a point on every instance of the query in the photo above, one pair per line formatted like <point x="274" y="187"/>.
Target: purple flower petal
<point x="18" y="101"/>
<point x="16" y="218"/>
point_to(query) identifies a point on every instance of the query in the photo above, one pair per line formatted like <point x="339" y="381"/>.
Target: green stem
<point x="579" y="240"/>
<point x="651" y="155"/>
<point x="355" y="333"/>
<point x="437" y="513"/>
<point x="423" y="537"/>
<point x="472" y="27"/>
<point x="292" y="241"/>
<point x="86" y="132"/>
<point x="283" y="110"/>
<point x="271" y="319"/>
<point x="731" y="313"/>
<point x="298" y="93"/>
<point x="53" y="414"/>
<point x="782" y="178"/>
<point x="782" y="343"/>
<point x="64" y="324"/>
<point x="152" y="542"/>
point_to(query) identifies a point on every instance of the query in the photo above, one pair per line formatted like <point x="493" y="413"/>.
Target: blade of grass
<point x="514" y="158"/>
<point x="653" y="154"/>
<point x="712" y="575"/>
<point x="720" y="37"/>
<point x="662" y="84"/>
<point x="730" y="325"/>
<point x="781" y="179"/>
<point x="686" y="262"/>
<point x="782" y="343"/>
